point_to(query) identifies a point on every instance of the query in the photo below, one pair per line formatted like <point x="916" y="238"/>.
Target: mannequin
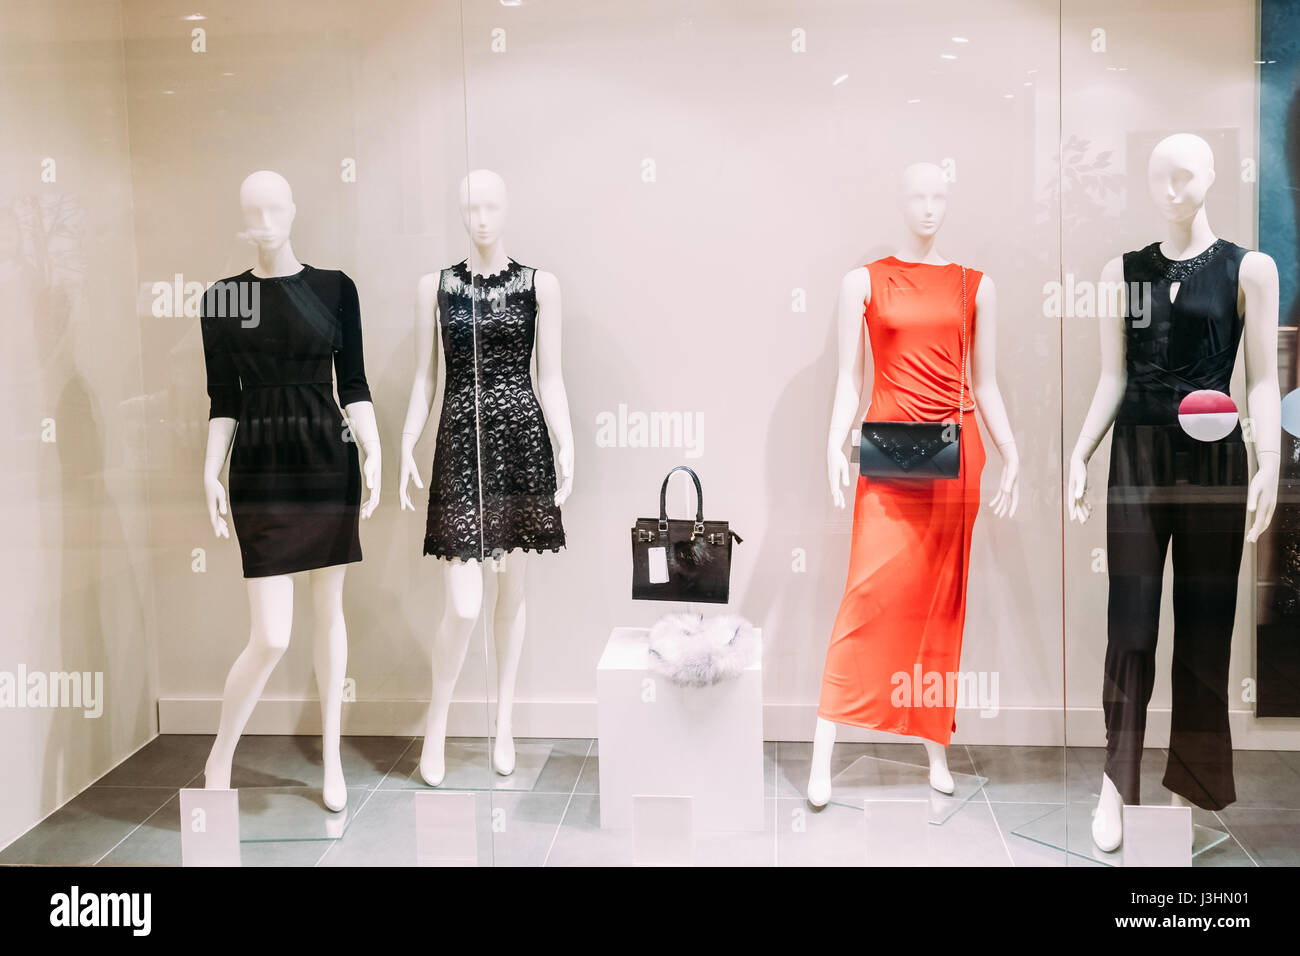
<point x="924" y="197"/>
<point x="268" y="210"/>
<point x="1180" y="173"/>
<point x="483" y="209"/>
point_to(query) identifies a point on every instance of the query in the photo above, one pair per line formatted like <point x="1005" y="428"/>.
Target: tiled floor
<point x="131" y="816"/>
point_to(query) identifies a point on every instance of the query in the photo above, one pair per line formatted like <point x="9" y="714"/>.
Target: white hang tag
<point x="658" y="565"/>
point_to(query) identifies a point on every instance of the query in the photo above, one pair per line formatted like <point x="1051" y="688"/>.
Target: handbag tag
<point x="658" y="561"/>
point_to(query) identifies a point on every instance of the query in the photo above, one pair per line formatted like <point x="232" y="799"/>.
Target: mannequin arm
<point x="1111" y="384"/>
<point x="988" y="397"/>
<point x="1259" y="289"/>
<point x="855" y="293"/>
<point x="426" y="378"/>
<point x="221" y="431"/>
<point x="550" y="382"/>
<point x="361" y="417"/>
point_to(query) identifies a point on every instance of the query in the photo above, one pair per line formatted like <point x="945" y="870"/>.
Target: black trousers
<point x="1169" y="489"/>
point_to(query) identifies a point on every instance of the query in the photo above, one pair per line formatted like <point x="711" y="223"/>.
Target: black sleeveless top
<point x="493" y="486"/>
<point x="1172" y="349"/>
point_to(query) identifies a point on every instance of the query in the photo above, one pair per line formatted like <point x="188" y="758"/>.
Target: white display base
<point x="1069" y="828"/>
<point x="209" y="827"/>
<point x="658" y="739"/>
<point x="877" y="780"/>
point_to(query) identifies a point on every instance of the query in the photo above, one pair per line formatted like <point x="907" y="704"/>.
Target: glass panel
<point x="1163" y="143"/>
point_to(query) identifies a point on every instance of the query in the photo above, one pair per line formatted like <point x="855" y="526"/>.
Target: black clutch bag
<point x="917" y="450"/>
<point x="679" y="559"/>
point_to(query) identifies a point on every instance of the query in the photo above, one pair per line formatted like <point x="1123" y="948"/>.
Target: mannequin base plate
<point x="875" y="779"/>
<point x="1069" y="828"/>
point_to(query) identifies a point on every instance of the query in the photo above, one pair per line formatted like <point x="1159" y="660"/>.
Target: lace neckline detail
<point x="1179" y="270"/>
<point x="462" y="269"/>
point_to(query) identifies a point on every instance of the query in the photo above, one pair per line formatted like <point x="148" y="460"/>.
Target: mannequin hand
<point x="372" y="470"/>
<point x="409" y="473"/>
<point x="564" y="461"/>
<point x="1007" y="499"/>
<point x="1263" y="495"/>
<point x="1076" y="497"/>
<point x="215" y="493"/>
<point x="837" y="472"/>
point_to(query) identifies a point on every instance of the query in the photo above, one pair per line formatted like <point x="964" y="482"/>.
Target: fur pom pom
<point x="696" y="652"/>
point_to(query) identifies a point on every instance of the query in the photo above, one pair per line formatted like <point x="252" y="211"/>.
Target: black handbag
<point x="917" y="450"/>
<point x="679" y="559"/>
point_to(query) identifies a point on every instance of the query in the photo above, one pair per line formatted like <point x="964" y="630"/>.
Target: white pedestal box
<point x="658" y="739"/>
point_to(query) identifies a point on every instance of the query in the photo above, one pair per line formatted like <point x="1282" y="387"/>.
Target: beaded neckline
<point x="1178" y="270"/>
<point x="509" y="269"/>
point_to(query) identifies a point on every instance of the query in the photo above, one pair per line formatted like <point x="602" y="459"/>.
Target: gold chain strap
<point x="961" y="395"/>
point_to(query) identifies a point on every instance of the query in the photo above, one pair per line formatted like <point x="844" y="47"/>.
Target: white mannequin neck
<point x="488" y="260"/>
<point x="276" y="263"/>
<point x="1190" y="237"/>
<point x="920" y="249"/>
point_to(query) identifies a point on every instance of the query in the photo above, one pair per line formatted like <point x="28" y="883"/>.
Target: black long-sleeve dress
<point x="295" y="482"/>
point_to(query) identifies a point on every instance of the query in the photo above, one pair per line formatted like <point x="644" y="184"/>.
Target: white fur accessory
<point x="694" y="652"/>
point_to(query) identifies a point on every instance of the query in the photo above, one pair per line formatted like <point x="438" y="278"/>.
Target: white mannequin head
<point x="1179" y="174"/>
<point x="267" y="204"/>
<point x="483" y="206"/>
<point x="923" y="199"/>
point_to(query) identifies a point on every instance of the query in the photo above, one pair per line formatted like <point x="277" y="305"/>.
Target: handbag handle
<point x="663" y="498"/>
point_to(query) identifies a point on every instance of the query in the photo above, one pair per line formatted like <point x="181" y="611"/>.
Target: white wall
<point x="75" y="588"/>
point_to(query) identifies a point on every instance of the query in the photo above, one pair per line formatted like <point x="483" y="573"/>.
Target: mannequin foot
<point x="433" y="763"/>
<point x="216" y="777"/>
<point x="335" y="791"/>
<point x="1108" y="818"/>
<point x="940" y="777"/>
<point x="819" y="788"/>
<point x="503" y="755"/>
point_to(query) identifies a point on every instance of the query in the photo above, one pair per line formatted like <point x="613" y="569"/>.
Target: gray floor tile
<point x="564" y="766"/>
<point x="157" y="842"/>
<point x="1025" y="852"/>
<point x="581" y="842"/>
<point x="88" y="826"/>
<point x="1271" y="837"/>
<point x="295" y="761"/>
<point x="384" y="831"/>
<point x="1266" y="779"/>
<point x="172" y="760"/>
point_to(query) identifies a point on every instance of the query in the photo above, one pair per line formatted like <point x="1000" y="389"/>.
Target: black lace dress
<point x="493" y="418"/>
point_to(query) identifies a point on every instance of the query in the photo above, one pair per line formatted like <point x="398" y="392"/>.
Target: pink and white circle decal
<point x="1207" y="415"/>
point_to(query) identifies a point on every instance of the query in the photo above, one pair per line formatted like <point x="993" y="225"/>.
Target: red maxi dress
<point x="895" y="648"/>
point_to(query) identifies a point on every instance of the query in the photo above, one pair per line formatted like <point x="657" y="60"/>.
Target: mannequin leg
<point x="330" y="653"/>
<point x="463" y="599"/>
<point x="508" y="631"/>
<point x="940" y="777"/>
<point x="270" y="605"/>
<point x="1138" y="531"/>
<point x="819" y="775"/>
